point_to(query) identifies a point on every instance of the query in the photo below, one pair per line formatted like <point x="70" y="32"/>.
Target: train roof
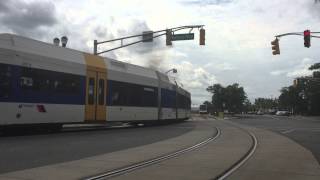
<point x="32" y="46"/>
<point x="65" y="54"/>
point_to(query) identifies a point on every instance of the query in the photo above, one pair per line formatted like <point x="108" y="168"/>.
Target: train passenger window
<point x="168" y="99"/>
<point x="91" y="91"/>
<point x="69" y="84"/>
<point x="119" y="94"/>
<point x="134" y="95"/>
<point x="150" y="97"/>
<point x="127" y="94"/>
<point x="5" y="81"/>
<point x="26" y="79"/>
<point x="49" y="81"/>
<point x="115" y="97"/>
<point x="101" y="92"/>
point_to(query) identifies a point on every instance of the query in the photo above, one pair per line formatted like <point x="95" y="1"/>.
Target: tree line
<point x="231" y="98"/>
<point x="303" y="97"/>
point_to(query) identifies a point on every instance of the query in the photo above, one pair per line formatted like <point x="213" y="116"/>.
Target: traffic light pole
<point x="298" y="34"/>
<point x="96" y="43"/>
<point x="307" y="35"/>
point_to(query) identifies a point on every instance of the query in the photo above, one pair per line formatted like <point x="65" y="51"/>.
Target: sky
<point x="238" y="36"/>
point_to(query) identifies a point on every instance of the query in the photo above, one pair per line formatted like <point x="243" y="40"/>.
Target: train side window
<point x="5" y="81"/>
<point x="26" y="79"/>
<point x="168" y="98"/>
<point x="149" y="98"/>
<point x="133" y="93"/>
<point x="119" y="95"/>
<point x="91" y="91"/>
<point x="101" y="92"/>
<point x="49" y="81"/>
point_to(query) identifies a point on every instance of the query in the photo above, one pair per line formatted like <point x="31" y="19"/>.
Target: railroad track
<point x="153" y="161"/>
<point x="225" y="174"/>
<point x="228" y="172"/>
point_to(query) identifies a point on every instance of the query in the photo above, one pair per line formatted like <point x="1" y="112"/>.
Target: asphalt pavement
<point x="29" y="151"/>
<point x="303" y="130"/>
<point x="244" y="151"/>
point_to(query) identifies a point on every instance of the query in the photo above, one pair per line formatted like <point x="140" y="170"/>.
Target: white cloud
<point x="225" y="66"/>
<point x="278" y="72"/>
<point x="300" y="69"/>
<point x="238" y="36"/>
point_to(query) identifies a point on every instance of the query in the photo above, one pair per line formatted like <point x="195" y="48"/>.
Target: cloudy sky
<point x="238" y="36"/>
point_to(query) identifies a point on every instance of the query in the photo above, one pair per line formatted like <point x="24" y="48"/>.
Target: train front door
<point x="95" y="109"/>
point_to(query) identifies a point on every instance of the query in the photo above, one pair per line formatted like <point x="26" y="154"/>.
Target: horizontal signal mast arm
<point x="96" y="43"/>
<point x="297" y="34"/>
<point x="163" y="30"/>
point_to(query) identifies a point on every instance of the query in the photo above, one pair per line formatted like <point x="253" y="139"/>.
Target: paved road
<point x="22" y="152"/>
<point x="303" y="130"/>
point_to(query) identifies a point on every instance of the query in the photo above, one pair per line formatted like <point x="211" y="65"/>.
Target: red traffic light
<point x="306" y="33"/>
<point x="307" y="36"/>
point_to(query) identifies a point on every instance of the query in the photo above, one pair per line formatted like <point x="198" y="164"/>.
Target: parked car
<point x="282" y="113"/>
<point x="260" y="113"/>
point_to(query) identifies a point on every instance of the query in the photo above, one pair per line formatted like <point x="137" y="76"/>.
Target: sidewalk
<point x="278" y="157"/>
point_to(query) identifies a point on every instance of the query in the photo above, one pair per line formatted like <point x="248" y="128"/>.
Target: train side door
<point x="95" y="109"/>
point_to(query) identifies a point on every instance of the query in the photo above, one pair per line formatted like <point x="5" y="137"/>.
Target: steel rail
<point x="130" y="168"/>
<point x="242" y="160"/>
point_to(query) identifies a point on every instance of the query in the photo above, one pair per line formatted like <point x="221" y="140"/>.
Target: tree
<point x="231" y="98"/>
<point x="218" y="96"/>
<point x="248" y="106"/>
<point x="304" y="98"/>
<point x="293" y="99"/>
<point x="315" y="66"/>
<point x="210" y="107"/>
<point x="266" y="103"/>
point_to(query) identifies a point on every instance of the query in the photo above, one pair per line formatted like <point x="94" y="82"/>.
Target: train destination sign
<point x="186" y="36"/>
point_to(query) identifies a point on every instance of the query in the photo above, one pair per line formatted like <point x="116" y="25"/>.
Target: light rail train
<point x="49" y="85"/>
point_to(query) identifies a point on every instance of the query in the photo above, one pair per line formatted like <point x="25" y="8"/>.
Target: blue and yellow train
<point x="44" y="84"/>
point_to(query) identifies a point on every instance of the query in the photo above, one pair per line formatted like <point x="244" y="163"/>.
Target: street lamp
<point x="173" y="70"/>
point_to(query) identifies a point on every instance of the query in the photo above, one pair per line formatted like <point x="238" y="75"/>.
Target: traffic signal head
<point x="295" y="82"/>
<point x="307" y="35"/>
<point x="202" y="36"/>
<point x="168" y="37"/>
<point x="275" y="47"/>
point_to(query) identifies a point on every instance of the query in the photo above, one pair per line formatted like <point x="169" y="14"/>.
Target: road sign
<point x="147" y="36"/>
<point x="179" y="37"/>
